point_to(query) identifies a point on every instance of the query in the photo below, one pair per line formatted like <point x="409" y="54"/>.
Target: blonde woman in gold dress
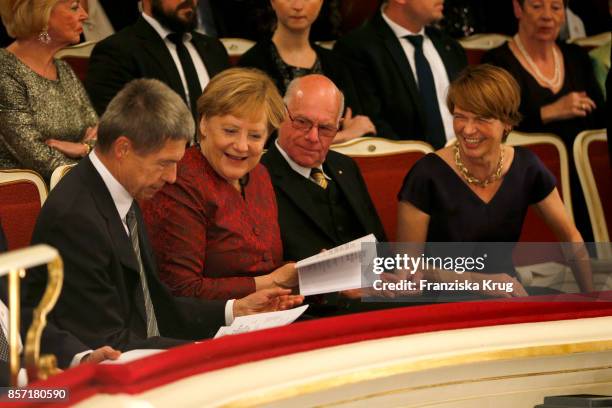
<point x="46" y="119"/>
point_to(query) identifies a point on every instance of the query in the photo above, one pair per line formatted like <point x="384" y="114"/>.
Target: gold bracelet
<point x="87" y="149"/>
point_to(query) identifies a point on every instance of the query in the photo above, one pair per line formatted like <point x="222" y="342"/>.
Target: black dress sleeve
<point x="259" y="56"/>
<point x="417" y="188"/>
<point x="540" y="182"/>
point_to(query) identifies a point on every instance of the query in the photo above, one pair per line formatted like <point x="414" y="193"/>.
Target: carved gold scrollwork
<point x="41" y="367"/>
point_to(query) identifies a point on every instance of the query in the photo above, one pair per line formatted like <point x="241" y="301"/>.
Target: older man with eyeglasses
<point x="322" y="198"/>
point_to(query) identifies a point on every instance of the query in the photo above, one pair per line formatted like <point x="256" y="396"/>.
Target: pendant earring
<point x="44" y="37"/>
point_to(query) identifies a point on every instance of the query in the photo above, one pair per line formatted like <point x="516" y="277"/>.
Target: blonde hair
<point x="487" y="91"/>
<point x="24" y="18"/>
<point x="243" y="92"/>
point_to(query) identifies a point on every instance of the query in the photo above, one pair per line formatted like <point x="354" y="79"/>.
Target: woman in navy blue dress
<point x="479" y="189"/>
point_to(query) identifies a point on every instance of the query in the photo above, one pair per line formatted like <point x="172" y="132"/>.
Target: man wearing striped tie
<point x="93" y="218"/>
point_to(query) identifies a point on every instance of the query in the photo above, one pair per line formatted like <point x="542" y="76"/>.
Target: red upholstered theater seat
<point x="79" y="66"/>
<point x="600" y="163"/>
<point x="235" y="47"/>
<point x="22" y="193"/>
<point x="355" y="12"/>
<point x="476" y="45"/>
<point x="593" y="166"/>
<point x="78" y="57"/>
<point x="593" y="41"/>
<point x="384" y="164"/>
<point x="552" y="152"/>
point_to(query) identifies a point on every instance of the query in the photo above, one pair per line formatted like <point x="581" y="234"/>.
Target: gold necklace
<point x="496" y="175"/>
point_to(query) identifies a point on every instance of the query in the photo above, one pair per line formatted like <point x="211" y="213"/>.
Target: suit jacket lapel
<point x="146" y="252"/>
<point x="155" y="46"/>
<point x="445" y="52"/>
<point x="399" y="59"/>
<point x="107" y="208"/>
<point x="119" y="236"/>
<point x="284" y="178"/>
<point x="343" y="180"/>
<point x="211" y="62"/>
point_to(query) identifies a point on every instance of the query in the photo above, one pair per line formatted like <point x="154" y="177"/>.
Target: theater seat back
<point x="77" y="56"/>
<point x="22" y="193"/>
<point x="235" y="47"/>
<point x="476" y="45"/>
<point x="384" y="164"/>
<point x="551" y="151"/>
<point x="595" y="173"/>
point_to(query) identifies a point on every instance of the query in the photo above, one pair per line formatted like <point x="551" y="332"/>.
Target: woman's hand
<point x="266" y="300"/>
<point x="574" y="104"/>
<point x="283" y="277"/>
<point x="499" y="285"/>
<point x="286" y="276"/>
<point x="91" y="134"/>
<point x="70" y="149"/>
<point x="354" y="127"/>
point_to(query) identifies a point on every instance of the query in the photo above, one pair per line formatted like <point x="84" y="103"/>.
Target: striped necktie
<point x="130" y="218"/>
<point x="318" y="177"/>
<point x="4" y="347"/>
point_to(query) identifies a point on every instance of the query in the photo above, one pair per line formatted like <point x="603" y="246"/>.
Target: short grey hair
<point x="292" y="89"/>
<point x="147" y="112"/>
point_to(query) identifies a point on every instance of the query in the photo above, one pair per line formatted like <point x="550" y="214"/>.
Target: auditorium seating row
<point x="475" y="46"/>
<point x="383" y="163"/>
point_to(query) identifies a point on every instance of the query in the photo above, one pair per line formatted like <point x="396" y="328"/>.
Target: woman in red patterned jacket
<point x="215" y="230"/>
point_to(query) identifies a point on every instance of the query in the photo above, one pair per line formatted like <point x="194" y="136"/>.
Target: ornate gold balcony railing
<point x="14" y="264"/>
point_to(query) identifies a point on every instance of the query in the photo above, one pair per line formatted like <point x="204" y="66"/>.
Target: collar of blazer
<point x="107" y="209"/>
<point x="155" y="46"/>
<point x="286" y="179"/>
<point x="393" y="46"/>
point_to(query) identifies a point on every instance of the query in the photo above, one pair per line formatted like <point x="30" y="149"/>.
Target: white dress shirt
<point x="200" y="68"/>
<point x="301" y="170"/>
<point x="437" y="69"/>
<point x="123" y="201"/>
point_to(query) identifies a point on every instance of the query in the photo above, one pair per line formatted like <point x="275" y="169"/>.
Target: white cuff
<point x="76" y="360"/>
<point x="229" y="312"/>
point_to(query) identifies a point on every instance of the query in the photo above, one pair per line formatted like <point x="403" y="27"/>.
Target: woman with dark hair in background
<point x="290" y="54"/>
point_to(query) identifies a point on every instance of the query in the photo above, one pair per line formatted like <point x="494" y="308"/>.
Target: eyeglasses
<point x="304" y="125"/>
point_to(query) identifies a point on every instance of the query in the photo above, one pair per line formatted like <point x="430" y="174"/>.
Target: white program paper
<point x="336" y="269"/>
<point x="132" y="355"/>
<point x="260" y="321"/>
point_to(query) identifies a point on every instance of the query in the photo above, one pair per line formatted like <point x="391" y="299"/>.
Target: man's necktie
<point x="152" y="329"/>
<point x="434" y="129"/>
<point x="318" y="177"/>
<point x="191" y="75"/>
<point x="4" y="347"/>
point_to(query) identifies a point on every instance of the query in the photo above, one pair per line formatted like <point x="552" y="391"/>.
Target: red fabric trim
<point x="157" y="370"/>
